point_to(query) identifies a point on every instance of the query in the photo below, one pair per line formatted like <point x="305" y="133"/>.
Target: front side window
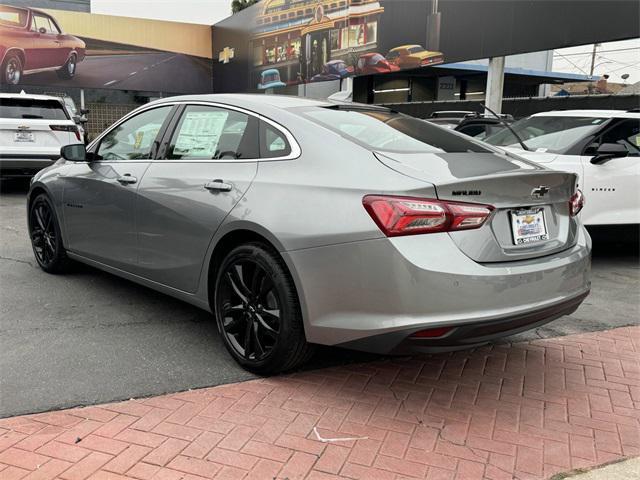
<point x="134" y="138"/>
<point x="211" y="133"/>
<point x="547" y="134"/>
<point x="383" y="130"/>
<point x="40" y="21"/>
<point x="625" y="133"/>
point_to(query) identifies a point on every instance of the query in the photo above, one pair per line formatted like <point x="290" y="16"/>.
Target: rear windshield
<point x="383" y="130"/>
<point x="13" y="17"/>
<point x="547" y="134"/>
<point x="32" y="109"/>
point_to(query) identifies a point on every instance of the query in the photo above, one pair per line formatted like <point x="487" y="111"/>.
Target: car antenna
<point x="501" y="120"/>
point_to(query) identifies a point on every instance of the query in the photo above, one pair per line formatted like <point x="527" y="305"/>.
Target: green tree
<point x="238" y="5"/>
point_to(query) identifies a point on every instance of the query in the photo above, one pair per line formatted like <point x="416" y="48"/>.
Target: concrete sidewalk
<point x="524" y="411"/>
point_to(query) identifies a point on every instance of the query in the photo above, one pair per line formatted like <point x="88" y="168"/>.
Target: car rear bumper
<point x="24" y="166"/>
<point x="373" y="295"/>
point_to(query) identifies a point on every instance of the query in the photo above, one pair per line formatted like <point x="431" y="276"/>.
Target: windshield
<point x="32" y="109"/>
<point x="382" y="130"/>
<point x="13" y="17"/>
<point x="375" y="59"/>
<point x="546" y="134"/>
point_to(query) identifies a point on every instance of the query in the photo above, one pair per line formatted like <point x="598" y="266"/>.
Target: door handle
<point x="127" y="179"/>
<point x="219" y="186"/>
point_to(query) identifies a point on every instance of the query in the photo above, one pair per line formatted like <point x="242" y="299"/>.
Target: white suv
<point x="601" y="146"/>
<point x="33" y="128"/>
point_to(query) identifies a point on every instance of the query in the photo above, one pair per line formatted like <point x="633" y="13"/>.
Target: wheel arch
<point x="20" y="53"/>
<point x="230" y="239"/>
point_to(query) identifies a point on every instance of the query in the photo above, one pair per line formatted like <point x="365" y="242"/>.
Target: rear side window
<point x="273" y="143"/>
<point x="32" y="109"/>
<point x="212" y="133"/>
<point x="383" y="130"/>
<point x="13" y="17"/>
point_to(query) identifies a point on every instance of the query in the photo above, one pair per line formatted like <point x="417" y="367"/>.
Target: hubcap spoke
<point x="266" y="327"/>
<point x="237" y="283"/>
<point x="247" y="340"/>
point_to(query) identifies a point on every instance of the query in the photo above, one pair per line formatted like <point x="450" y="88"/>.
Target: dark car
<point x="474" y="124"/>
<point x="371" y="63"/>
<point x="333" y="70"/>
<point x="32" y="41"/>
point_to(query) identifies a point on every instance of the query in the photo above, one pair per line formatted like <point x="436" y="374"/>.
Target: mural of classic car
<point x="371" y="63"/>
<point x="270" y="79"/>
<point x="333" y="70"/>
<point x="413" y="56"/>
<point x="31" y="41"/>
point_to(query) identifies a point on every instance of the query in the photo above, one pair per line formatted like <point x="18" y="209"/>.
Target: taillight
<point x="67" y="128"/>
<point x="576" y="202"/>
<point x="410" y="216"/>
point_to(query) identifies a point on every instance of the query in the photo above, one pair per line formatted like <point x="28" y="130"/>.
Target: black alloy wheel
<point x="257" y="311"/>
<point x="45" y="236"/>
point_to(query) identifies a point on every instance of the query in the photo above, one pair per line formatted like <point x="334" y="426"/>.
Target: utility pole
<point x="593" y="59"/>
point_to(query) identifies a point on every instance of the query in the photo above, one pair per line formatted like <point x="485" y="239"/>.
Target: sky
<point x="205" y="12"/>
<point x="612" y="58"/>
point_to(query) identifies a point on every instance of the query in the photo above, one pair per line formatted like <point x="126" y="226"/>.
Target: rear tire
<point x="12" y="69"/>
<point x="68" y="70"/>
<point x="257" y="311"/>
<point x="46" y="239"/>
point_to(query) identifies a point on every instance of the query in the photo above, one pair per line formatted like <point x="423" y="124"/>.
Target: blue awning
<point x="541" y="74"/>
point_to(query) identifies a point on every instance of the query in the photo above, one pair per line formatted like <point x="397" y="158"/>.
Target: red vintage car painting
<point x="32" y="41"/>
<point x="372" y="63"/>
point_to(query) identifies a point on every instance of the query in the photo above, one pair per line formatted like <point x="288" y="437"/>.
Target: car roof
<point x="270" y="71"/>
<point x="30" y="96"/>
<point x="589" y="114"/>
<point x="249" y="100"/>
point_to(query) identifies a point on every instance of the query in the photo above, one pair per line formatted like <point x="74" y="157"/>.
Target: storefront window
<point x="372" y="32"/>
<point x="257" y="55"/>
<point x="335" y="39"/>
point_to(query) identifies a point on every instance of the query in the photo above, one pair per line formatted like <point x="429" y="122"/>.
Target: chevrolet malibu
<point x="299" y="222"/>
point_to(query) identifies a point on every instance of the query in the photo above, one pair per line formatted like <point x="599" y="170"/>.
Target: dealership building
<point x="435" y="53"/>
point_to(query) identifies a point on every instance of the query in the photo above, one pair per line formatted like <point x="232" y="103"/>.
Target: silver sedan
<point x="299" y="222"/>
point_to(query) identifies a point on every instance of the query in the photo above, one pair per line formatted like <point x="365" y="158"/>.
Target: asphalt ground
<point x="162" y="72"/>
<point x="89" y="337"/>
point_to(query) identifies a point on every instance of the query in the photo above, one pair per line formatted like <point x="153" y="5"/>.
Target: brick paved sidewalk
<point x="522" y="411"/>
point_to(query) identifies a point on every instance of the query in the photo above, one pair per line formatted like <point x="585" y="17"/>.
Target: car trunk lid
<point x="531" y="216"/>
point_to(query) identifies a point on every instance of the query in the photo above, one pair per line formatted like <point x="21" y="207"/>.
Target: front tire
<point x="68" y="70"/>
<point x="46" y="239"/>
<point x="12" y="69"/>
<point x="258" y="312"/>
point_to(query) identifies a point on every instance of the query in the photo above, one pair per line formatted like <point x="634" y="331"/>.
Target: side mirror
<point x="608" y="151"/>
<point x="42" y="30"/>
<point x="74" y="153"/>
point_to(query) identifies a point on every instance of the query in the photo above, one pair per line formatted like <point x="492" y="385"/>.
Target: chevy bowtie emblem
<point x="226" y="55"/>
<point x="540" y="191"/>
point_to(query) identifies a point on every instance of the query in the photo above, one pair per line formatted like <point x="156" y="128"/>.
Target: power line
<point x="573" y="64"/>
<point x="589" y="53"/>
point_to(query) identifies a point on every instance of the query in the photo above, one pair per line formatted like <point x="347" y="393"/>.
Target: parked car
<point x="474" y="124"/>
<point x="322" y="223"/>
<point x="270" y="79"/>
<point x="413" y="56"/>
<point x="372" y="63"/>
<point x="31" y="41"/>
<point x="333" y="70"/>
<point x="32" y="130"/>
<point x="601" y="146"/>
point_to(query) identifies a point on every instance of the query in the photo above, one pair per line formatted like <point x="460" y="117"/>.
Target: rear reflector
<point x="410" y="216"/>
<point x="432" y="332"/>
<point x="66" y="128"/>
<point x="576" y="202"/>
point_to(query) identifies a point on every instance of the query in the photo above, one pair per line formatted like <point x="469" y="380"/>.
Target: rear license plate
<point x="528" y="226"/>
<point x="24" y="137"/>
